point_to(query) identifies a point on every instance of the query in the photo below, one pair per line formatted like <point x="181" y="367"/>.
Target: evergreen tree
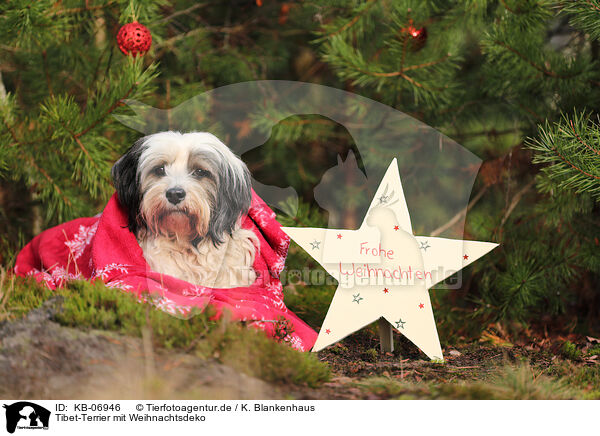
<point x="515" y="81"/>
<point x="488" y="75"/>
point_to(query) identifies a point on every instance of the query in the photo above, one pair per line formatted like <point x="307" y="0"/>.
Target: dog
<point x="185" y="195"/>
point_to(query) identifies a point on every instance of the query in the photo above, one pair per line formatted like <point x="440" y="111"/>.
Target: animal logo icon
<point x="26" y="415"/>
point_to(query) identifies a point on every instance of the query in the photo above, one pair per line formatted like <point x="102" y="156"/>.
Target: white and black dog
<point x="185" y="194"/>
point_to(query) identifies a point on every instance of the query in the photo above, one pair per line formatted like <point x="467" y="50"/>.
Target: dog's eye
<point x="200" y="173"/>
<point x="159" y="171"/>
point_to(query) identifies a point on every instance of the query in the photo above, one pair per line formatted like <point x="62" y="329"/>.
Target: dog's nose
<point x="175" y="195"/>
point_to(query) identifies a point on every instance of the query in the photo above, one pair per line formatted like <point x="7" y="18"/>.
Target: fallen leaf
<point x="495" y="339"/>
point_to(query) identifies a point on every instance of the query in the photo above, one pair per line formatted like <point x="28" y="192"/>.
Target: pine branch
<point x="31" y="161"/>
<point x="50" y="179"/>
<point x="354" y="19"/>
<point x="118" y="102"/>
<point x="544" y="71"/>
<point x="581" y="141"/>
<point x="575" y="167"/>
<point x="181" y="12"/>
<point x="571" y="162"/>
<point x="80" y="144"/>
<point x="426" y="64"/>
<point x="507" y="7"/>
<point x="85" y="8"/>
<point x="584" y="15"/>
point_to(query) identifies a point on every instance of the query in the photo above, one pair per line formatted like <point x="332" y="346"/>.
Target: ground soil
<point x="48" y="361"/>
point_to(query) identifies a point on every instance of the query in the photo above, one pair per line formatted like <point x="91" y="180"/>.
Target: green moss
<point x="94" y="306"/>
<point x="19" y="295"/>
<point x="594" y="351"/>
<point x="464" y="391"/>
<point x="384" y="387"/>
<point x="339" y="349"/>
<point x="525" y="383"/>
<point x="252" y="352"/>
<point x="508" y="383"/>
<point x="389" y="388"/>
<point x="586" y="378"/>
<point x="371" y="355"/>
<point x="569" y="351"/>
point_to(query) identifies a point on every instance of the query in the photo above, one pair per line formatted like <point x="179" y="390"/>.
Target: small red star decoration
<point x="339" y="236"/>
<point x="421" y="306"/>
<point x="386" y="290"/>
<point x="465" y="257"/>
<point x="327" y="331"/>
<point x="396" y="227"/>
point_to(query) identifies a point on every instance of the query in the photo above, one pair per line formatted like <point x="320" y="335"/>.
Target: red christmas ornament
<point x="417" y="37"/>
<point x="134" y="38"/>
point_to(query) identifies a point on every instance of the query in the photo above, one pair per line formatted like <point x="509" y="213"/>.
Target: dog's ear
<point x="125" y="179"/>
<point x="234" y="194"/>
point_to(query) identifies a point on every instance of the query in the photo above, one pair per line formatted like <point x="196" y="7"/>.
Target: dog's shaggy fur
<point x="185" y="194"/>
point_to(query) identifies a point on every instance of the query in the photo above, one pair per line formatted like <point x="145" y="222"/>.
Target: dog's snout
<point x="175" y="195"/>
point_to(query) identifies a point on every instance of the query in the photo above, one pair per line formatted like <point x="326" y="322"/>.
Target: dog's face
<point x="188" y="186"/>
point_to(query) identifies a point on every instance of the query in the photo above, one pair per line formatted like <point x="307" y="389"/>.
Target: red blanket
<point x="103" y="248"/>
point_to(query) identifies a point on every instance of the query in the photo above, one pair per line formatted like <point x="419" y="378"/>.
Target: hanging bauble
<point x="134" y="38"/>
<point x="416" y="37"/>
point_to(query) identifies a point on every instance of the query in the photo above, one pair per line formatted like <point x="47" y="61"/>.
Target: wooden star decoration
<point x="384" y="255"/>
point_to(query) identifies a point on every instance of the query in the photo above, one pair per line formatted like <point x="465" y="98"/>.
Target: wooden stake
<point x="386" y="336"/>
